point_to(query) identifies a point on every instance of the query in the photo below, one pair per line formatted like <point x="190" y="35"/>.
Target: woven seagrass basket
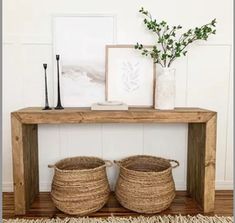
<point x="80" y="185"/>
<point x="145" y="183"/>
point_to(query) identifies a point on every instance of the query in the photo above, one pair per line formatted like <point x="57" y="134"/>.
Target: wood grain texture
<point x="133" y="115"/>
<point x="25" y="164"/>
<point x="43" y="206"/>
<point x="210" y="159"/>
<point x="201" y="145"/>
<point x="201" y="163"/>
<point x="18" y="166"/>
<point x="30" y="140"/>
<point x="196" y="153"/>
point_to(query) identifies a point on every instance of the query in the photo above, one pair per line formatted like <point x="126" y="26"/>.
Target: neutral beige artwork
<point x="82" y="53"/>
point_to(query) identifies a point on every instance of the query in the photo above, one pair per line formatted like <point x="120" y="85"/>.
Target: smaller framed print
<point x="130" y="76"/>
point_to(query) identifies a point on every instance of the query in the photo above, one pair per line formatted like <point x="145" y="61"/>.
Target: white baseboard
<point x="224" y="185"/>
<point x="7" y="187"/>
<point x="180" y="185"/>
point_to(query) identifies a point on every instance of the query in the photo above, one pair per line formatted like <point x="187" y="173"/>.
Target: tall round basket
<point x="145" y="183"/>
<point x="80" y="185"/>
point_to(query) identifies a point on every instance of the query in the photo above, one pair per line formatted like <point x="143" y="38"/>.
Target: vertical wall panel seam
<point x="186" y="89"/>
<point x="186" y="132"/>
<point x="59" y="144"/>
<point x="143" y="135"/>
<point x="102" y="140"/>
<point x="21" y="68"/>
<point x="186" y="155"/>
<point x="52" y="62"/>
<point x="227" y="113"/>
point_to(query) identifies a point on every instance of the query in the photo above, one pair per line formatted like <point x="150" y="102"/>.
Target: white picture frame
<point x="130" y="76"/>
<point x="80" y="41"/>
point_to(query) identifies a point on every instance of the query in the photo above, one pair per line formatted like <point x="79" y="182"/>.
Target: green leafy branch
<point x="168" y="46"/>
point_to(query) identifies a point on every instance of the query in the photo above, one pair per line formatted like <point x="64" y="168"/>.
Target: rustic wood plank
<point x="25" y="164"/>
<point x="195" y="166"/>
<point x="18" y="165"/>
<point x="210" y="157"/>
<point x="133" y="115"/>
<point x="201" y="163"/>
<point x="201" y="145"/>
<point x="30" y="139"/>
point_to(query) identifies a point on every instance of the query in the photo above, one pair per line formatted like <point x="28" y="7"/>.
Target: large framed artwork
<point x="130" y="76"/>
<point x="80" y="41"/>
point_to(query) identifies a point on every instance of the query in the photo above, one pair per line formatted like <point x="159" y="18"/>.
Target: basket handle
<point x="108" y="163"/>
<point x="51" y="166"/>
<point x="176" y="163"/>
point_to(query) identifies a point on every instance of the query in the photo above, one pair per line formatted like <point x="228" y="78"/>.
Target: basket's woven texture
<point x="145" y="184"/>
<point x="80" y="185"/>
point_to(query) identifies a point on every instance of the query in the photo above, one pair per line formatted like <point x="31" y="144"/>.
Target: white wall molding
<point x="203" y="79"/>
<point x="45" y="40"/>
<point x="7" y="187"/>
<point x="224" y="185"/>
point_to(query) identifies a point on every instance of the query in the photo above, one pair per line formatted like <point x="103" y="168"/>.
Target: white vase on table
<point x="165" y="89"/>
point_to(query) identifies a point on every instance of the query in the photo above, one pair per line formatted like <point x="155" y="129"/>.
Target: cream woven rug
<point x="141" y="219"/>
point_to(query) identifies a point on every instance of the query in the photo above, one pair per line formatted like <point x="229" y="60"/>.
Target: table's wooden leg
<point x="25" y="164"/>
<point x="201" y="163"/>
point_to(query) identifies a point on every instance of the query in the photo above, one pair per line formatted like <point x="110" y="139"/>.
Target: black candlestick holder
<point x="59" y="106"/>
<point x="47" y="107"/>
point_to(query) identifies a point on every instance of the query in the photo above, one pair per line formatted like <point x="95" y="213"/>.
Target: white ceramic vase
<point x="165" y="89"/>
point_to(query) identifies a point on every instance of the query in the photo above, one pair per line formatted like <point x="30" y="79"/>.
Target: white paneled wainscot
<point x="203" y="79"/>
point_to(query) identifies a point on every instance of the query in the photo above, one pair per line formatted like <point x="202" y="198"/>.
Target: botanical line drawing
<point x="130" y="76"/>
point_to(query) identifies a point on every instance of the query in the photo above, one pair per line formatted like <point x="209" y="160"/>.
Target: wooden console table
<point x="201" y="145"/>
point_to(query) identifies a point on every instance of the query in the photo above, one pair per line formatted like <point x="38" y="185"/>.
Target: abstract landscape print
<point x="81" y="41"/>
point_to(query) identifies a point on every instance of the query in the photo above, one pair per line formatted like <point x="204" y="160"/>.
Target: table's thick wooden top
<point x="36" y="115"/>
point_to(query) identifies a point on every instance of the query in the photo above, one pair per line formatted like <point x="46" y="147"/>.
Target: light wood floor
<point x="182" y="204"/>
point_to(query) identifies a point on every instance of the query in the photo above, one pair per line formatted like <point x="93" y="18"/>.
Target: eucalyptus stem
<point x="168" y="47"/>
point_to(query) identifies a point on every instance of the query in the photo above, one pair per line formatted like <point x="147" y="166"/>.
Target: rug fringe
<point x="141" y="219"/>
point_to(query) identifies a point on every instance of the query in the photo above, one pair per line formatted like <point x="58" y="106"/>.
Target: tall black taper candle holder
<point x="47" y="107"/>
<point x="59" y="106"/>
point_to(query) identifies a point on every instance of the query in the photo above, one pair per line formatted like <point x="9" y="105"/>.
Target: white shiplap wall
<point x="203" y="78"/>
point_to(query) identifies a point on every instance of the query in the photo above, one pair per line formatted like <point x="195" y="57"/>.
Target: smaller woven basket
<point x="80" y="185"/>
<point x="145" y="183"/>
